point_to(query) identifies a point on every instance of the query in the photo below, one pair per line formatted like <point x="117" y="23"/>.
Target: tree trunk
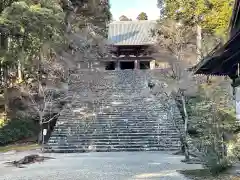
<point x="40" y="136"/>
<point x="20" y="66"/>
<point x="19" y="72"/>
<point x="40" y="60"/>
<point x="199" y="43"/>
<point x="183" y="147"/>
<point x="208" y="80"/>
<point x="186" y="153"/>
<point x="2" y="74"/>
<point x="5" y="79"/>
<point x="5" y="84"/>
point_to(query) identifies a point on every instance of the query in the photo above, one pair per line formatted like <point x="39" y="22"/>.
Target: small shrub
<point x="17" y="129"/>
<point x="215" y="162"/>
<point x="235" y="148"/>
<point x="220" y="166"/>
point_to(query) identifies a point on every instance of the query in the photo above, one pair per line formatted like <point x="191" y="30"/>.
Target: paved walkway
<point x="99" y="166"/>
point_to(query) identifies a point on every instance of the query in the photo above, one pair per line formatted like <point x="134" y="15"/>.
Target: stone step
<point x="141" y="125"/>
<point x="82" y="150"/>
<point x="110" y="138"/>
<point x="122" y="126"/>
<point x="129" y="116"/>
<point x="109" y="135"/>
<point x="104" y="137"/>
<point x="86" y="146"/>
<point x="121" y="103"/>
<point x="145" y="141"/>
<point x="118" y="113"/>
<point x="116" y="116"/>
<point x="127" y="122"/>
<point x="127" y="109"/>
<point x="115" y="141"/>
<point x="72" y="120"/>
<point x="113" y="132"/>
<point x="57" y="136"/>
<point x="114" y="147"/>
<point x="115" y="121"/>
<point x="124" y="134"/>
<point x="112" y="129"/>
<point x="112" y="96"/>
<point x="119" y="126"/>
<point x="100" y="144"/>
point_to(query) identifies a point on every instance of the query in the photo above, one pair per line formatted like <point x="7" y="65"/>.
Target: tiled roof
<point x="131" y="32"/>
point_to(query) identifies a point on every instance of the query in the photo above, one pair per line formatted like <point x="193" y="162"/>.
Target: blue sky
<point x="131" y="8"/>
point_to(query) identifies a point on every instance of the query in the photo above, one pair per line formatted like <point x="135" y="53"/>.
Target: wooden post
<point x="236" y="91"/>
<point x="136" y="64"/>
<point x="152" y="64"/>
<point x="117" y="67"/>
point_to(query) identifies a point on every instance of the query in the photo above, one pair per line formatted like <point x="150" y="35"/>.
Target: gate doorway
<point x="144" y="64"/>
<point x="127" y="65"/>
<point x="110" y="65"/>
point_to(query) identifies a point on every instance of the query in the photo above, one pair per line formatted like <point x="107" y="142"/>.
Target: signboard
<point x="238" y="110"/>
<point x="44" y="132"/>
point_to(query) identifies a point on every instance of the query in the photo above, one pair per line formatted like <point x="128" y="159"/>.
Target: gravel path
<point x="98" y="166"/>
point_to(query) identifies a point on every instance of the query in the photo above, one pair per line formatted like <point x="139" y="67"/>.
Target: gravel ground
<point x="97" y="166"/>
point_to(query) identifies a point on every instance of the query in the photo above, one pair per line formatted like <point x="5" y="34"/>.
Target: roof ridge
<point x="133" y="22"/>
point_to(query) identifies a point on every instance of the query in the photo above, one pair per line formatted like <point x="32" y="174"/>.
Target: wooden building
<point x="130" y="45"/>
<point x="225" y="61"/>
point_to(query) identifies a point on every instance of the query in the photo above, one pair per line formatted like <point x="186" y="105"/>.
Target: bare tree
<point x="124" y="18"/>
<point x="176" y="39"/>
<point x="209" y="113"/>
<point x="47" y="94"/>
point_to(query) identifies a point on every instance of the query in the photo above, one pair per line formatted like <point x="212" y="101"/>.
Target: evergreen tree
<point x="142" y="16"/>
<point x="211" y="15"/>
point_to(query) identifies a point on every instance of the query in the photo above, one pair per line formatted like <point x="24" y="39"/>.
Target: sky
<point x="131" y="8"/>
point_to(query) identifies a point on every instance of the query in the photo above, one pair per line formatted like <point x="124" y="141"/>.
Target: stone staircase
<point x="113" y="111"/>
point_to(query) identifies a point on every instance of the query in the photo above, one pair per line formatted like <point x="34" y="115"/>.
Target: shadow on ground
<point x="200" y="174"/>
